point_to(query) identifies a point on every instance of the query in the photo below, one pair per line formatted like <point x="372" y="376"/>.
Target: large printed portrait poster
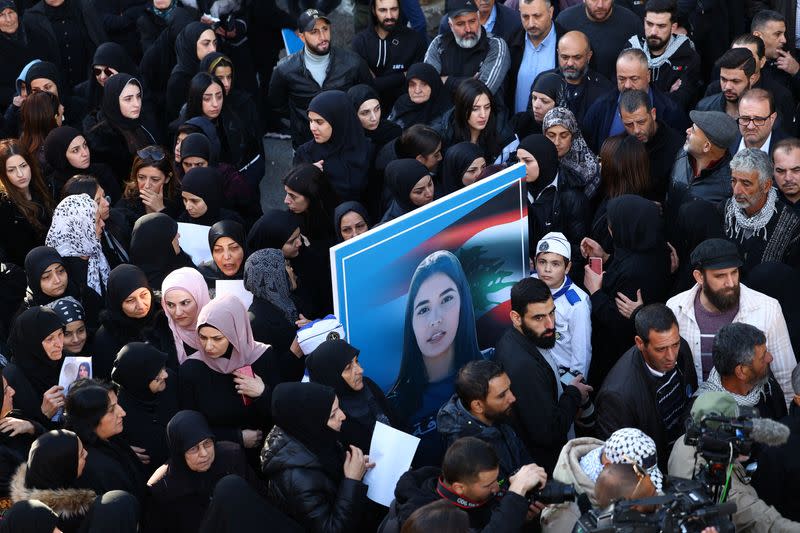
<point x="425" y="282"/>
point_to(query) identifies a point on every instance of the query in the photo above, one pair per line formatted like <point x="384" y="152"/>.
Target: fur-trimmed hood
<point x="66" y="503"/>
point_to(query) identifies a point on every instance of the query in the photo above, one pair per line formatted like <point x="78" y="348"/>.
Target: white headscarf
<point x="72" y="234"/>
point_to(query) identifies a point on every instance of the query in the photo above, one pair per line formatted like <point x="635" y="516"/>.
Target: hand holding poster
<point x="194" y="241"/>
<point x="391" y="451"/>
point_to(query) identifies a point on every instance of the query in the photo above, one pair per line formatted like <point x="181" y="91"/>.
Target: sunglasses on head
<point x="153" y="153"/>
<point x="107" y="71"/>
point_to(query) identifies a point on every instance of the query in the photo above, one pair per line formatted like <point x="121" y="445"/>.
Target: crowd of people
<point x="660" y="141"/>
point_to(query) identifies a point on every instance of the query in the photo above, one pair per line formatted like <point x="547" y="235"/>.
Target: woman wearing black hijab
<point x="350" y="219"/>
<point x="426" y="99"/>
<point x="36" y="342"/>
<point x="367" y="105"/>
<point x="201" y="190"/>
<point x="29" y="516"/>
<point x="155" y="247"/>
<point x="339" y="145"/>
<point x="18" y="47"/>
<point x="132" y="314"/>
<point x="94" y="414"/>
<point x="68" y="154"/>
<point x="55" y="464"/>
<point x="698" y="220"/>
<point x="181" y="489"/>
<point x="640" y="262"/>
<point x="552" y="207"/>
<point x="226" y="240"/>
<point x="462" y="165"/>
<point x="120" y="131"/>
<point x="148" y="393"/>
<point x="110" y="58"/>
<point x="309" y="475"/>
<point x="411" y="186"/>
<point x="48" y="277"/>
<point x="193" y="43"/>
<point x="309" y="196"/>
<point x="335" y="363"/>
<point x="548" y="91"/>
<point x="779" y="281"/>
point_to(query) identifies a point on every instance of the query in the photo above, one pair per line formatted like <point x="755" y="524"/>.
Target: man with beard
<point x="651" y="385"/>
<point x="737" y="69"/>
<point x="496" y="18"/>
<point x="786" y="160"/>
<point x="674" y="64"/>
<point x="545" y="408"/>
<point x="481" y="407"/>
<point x="763" y="228"/>
<point x="718" y="299"/>
<point x="317" y="67"/>
<point x="741" y="368"/>
<point x="607" y="26"/>
<point x="389" y="49"/>
<point x="468" y="51"/>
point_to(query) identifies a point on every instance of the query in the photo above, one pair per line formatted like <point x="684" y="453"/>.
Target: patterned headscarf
<point x="580" y="159"/>
<point x="265" y="276"/>
<point x="625" y="446"/>
<point x="72" y="233"/>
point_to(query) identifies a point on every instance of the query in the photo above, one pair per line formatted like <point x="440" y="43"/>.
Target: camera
<point x="588" y="415"/>
<point x="686" y="507"/>
<point x="553" y="492"/>
<point x="719" y="440"/>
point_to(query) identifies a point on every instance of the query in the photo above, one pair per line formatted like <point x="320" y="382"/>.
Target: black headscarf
<point x="401" y="177"/>
<point x="272" y="230"/>
<point x="151" y="247"/>
<point x="30" y="328"/>
<point x="36" y="262"/>
<point x="341" y="210"/>
<point x="407" y="112"/>
<point x="457" y="160"/>
<point x="386" y="130"/>
<point x="205" y="182"/>
<point x="122" y="281"/>
<point x="550" y="84"/>
<point x="209" y="62"/>
<point x="233" y="230"/>
<point x="111" y="92"/>
<point x="136" y="365"/>
<point x="53" y="461"/>
<point x="184" y="431"/>
<point x="546" y="154"/>
<point x="302" y="410"/>
<point x="44" y="70"/>
<point x="108" y="54"/>
<point x="636" y="225"/>
<point x="347" y="153"/>
<point x="186" y="48"/>
<point x="326" y="364"/>
<point x="196" y="145"/>
<point x="210" y="131"/>
<point x="18" y="36"/>
<point x="55" y="149"/>
<point x="779" y="281"/>
<point x="29" y="516"/>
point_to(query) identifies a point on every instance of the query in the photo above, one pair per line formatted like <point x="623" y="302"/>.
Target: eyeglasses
<point x="106" y="70"/>
<point x="153" y="153"/>
<point x="758" y="121"/>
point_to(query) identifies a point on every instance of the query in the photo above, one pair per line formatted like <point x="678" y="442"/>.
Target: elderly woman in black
<point x="94" y="414"/>
<point x="148" y="393"/>
<point x="156" y="248"/>
<point x="310" y="476"/>
<point x="37" y="340"/>
<point x="226" y="239"/>
<point x="181" y="489"/>
<point x="426" y="99"/>
<point x="132" y="314"/>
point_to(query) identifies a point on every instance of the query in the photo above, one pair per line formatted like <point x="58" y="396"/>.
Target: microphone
<point x="769" y="432"/>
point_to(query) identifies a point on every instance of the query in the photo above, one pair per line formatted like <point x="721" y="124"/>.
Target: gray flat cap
<point x="720" y="128"/>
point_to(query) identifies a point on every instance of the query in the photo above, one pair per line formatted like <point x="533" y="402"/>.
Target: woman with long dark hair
<point x="67" y="154"/>
<point x="439" y="337"/>
<point x="151" y="187"/>
<point x="40" y="114"/>
<point x="120" y="132"/>
<point x="339" y="146"/>
<point x="26" y="205"/>
<point x="309" y="196"/>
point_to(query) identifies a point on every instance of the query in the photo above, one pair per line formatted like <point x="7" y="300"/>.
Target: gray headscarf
<point x="580" y="159"/>
<point x="265" y="276"/>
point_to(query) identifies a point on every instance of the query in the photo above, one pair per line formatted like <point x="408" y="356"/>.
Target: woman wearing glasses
<point x="150" y="187"/>
<point x="119" y="131"/>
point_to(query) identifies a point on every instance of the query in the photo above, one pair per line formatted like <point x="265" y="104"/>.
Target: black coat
<point x="119" y="19"/>
<point x="110" y="338"/>
<point x="359" y="432"/>
<point x="27" y="400"/>
<point x="18" y="237"/>
<point x="112" y="465"/>
<point x="300" y="486"/>
<point x="16" y="54"/>
<point x="542" y="419"/>
<point x="661" y="150"/>
<point x="270" y="326"/>
<point x="109" y="147"/>
<point x="777" y="479"/>
<point x="14" y="451"/>
<point x="627" y="398"/>
<point x="712" y="185"/>
<point x="214" y="394"/>
<point x="565" y="210"/>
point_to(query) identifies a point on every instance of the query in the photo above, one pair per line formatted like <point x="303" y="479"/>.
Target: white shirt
<point x="573" y="347"/>
<point x="764" y="148"/>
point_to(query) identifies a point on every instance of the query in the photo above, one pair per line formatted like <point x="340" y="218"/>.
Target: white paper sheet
<point x="236" y="288"/>
<point x="392" y="451"/>
<point x="194" y="241"/>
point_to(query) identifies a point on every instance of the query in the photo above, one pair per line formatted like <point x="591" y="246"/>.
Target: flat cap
<point x="719" y="127"/>
<point x="715" y="254"/>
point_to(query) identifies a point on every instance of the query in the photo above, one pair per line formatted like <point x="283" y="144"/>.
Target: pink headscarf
<point x="228" y="314"/>
<point x="190" y="280"/>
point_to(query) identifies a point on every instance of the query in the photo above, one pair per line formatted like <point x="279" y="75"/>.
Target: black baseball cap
<point x="459" y="7"/>
<point x="713" y="254"/>
<point x="307" y="19"/>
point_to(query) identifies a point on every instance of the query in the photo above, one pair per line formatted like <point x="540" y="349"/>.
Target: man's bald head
<point x="574" y="54"/>
<point x="616" y="482"/>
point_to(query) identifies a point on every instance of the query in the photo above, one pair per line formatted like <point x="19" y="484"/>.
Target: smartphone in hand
<point x="596" y="264"/>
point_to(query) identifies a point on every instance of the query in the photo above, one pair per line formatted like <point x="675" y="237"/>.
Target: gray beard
<point x="468" y="43"/>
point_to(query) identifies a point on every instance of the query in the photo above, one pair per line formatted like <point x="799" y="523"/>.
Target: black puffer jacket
<point x="454" y="422"/>
<point x="299" y="486"/>
<point x="712" y="185"/>
<point x="292" y="87"/>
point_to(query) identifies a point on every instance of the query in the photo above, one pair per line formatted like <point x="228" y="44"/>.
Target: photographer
<point x="468" y="480"/>
<point x="752" y="514"/>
